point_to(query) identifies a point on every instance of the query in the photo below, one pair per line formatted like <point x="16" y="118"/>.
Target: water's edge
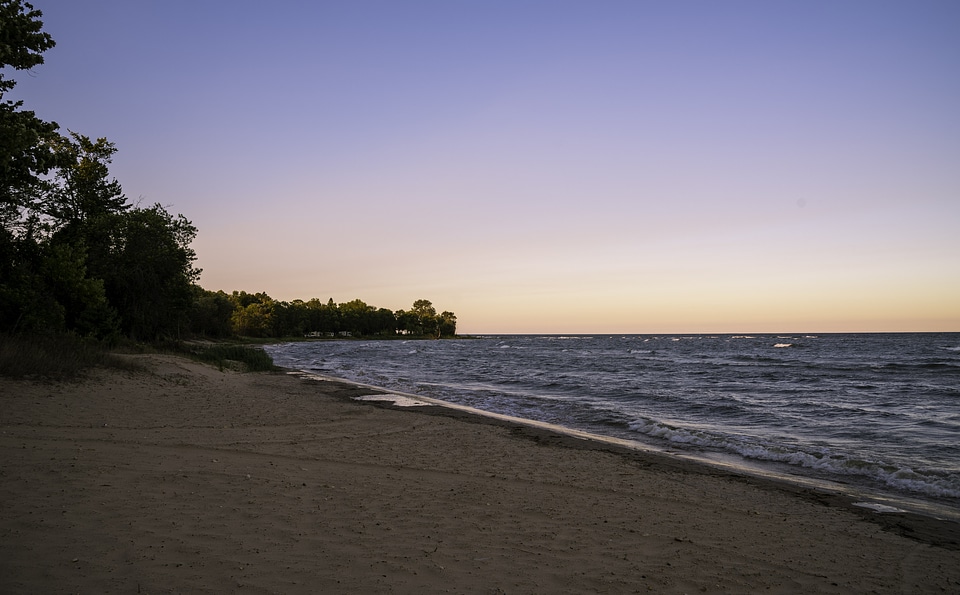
<point x="925" y="521"/>
<point x="879" y="412"/>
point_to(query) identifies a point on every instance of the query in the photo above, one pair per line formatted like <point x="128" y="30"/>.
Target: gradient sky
<point x="591" y="166"/>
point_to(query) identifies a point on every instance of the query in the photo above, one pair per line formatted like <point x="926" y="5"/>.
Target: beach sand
<point x="184" y="478"/>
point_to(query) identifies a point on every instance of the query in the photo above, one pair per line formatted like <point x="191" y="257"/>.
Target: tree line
<point x="219" y="314"/>
<point x="77" y="256"/>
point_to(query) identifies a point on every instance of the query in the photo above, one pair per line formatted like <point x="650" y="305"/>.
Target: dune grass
<point x="66" y="356"/>
<point x="229" y="355"/>
<point x="54" y="356"/>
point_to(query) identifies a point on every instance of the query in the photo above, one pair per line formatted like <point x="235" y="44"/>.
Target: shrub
<point x="253" y="359"/>
<point x="54" y="356"/>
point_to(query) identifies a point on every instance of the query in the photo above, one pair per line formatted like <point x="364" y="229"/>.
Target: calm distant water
<point x="881" y="411"/>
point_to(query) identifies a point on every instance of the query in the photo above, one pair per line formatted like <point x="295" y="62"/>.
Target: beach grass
<point x="66" y="356"/>
<point x="236" y="356"/>
<point x="60" y="356"/>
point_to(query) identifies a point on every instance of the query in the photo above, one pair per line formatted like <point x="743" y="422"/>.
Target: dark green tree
<point x="407" y="322"/>
<point x="73" y="254"/>
<point x="142" y="256"/>
<point x="27" y="302"/>
<point x="83" y="194"/>
<point x="290" y="319"/>
<point x="211" y="313"/>
<point x="323" y="317"/>
<point x="426" y="316"/>
<point x="151" y="279"/>
<point x="385" y="322"/>
<point x="26" y="151"/>
<point x="82" y="299"/>
<point x="447" y="324"/>
<point x="357" y="318"/>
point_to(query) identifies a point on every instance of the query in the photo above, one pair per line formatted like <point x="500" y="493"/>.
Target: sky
<point x="541" y="166"/>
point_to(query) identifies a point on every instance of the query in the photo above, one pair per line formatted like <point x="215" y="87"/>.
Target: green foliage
<point x="73" y="254"/>
<point x="82" y="193"/>
<point x="25" y="152"/>
<point x="447" y="324"/>
<point x="82" y="299"/>
<point x="211" y="313"/>
<point x="22" y="41"/>
<point x="422" y="320"/>
<point x="253" y="320"/>
<point x="259" y="316"/>
<point x="25" y="301"/>
<point x="251" y="359"/>
<point x="150" y="275"/>
<point x="76" y="257"/>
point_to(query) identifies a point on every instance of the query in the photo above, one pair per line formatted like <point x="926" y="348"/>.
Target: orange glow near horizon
<point x="614" y="167"/>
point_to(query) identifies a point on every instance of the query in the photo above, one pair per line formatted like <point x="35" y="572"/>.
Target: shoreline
<point x="855" y="495"/>
<point x="924" y="521"/>
<point x="181" y="477"/>
<point x="746" y="403"/>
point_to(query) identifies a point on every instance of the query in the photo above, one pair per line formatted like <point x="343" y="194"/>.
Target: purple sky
<point x="600" y="166"/>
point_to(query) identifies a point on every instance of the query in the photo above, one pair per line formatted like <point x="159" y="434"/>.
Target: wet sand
<point x="184" y="478"/>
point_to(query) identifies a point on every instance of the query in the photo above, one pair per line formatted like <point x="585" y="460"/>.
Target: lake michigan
<point x="877" y="413"/>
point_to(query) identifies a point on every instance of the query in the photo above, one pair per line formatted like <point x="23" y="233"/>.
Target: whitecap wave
<point x="929" y="483"/>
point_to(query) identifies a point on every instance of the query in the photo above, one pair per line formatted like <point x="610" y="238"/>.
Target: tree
<point x="25" y="140"/>
<point x="290" y="319"/>
<point x="322" y="317"/>
<point x="26" y="302"/>
<point x="211" y="313"/>
<point x="83" y="193"/>
<point x="254" y="320"/>
<point x="22" y="41"/>
<point x="74" y="254"/>
<point x="35" y="278"/>
<point x="151" y="277"/>
<point x="385" y="322"/>
<point x="426" y="317"/>
<point x="83" y="299"/>
<point x="356" y="317"/>
<point x="253" y="314"/>
<point x="25" y="155"/>
<point x="447" y="324"/>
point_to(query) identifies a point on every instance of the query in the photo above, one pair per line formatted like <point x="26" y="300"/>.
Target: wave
<point x="929" y="483"/>
<point x="841" y="406"/>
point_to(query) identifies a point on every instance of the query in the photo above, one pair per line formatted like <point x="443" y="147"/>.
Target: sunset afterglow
<point x="542" y="167"/>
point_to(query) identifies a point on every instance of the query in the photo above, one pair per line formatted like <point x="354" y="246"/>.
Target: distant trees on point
<point x="76" y="256"/>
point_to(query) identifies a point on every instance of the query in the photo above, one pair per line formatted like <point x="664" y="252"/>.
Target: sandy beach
<point x="182" y="478"/>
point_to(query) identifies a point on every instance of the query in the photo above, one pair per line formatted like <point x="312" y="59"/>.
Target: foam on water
<point x="397" y="400"/>
<point x="878" y="410"/>
<point x="901" y="478"/>
<point x="877" y="507"/>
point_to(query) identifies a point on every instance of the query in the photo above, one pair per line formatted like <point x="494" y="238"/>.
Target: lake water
<point x="880" y="412"/>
